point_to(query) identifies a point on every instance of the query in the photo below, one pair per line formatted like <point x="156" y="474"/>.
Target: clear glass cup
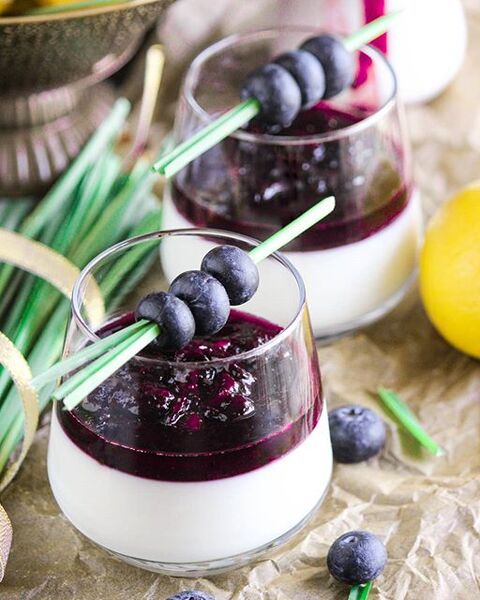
<point x="356" y="264"/>
<point x="199" y="462"/>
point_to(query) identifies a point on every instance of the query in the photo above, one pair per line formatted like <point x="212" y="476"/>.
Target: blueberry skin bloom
<point x="336" y="60"/>
<point x="191" y="595"/>
<point x="356" y="557"/>
<point x="206" y="297"/>
<point x="357" y="433"/>
<point x="307" y="72"/>
<point x="176" y="322"/>
<point x="235" y="270"/>
<point x="278" y="94"/>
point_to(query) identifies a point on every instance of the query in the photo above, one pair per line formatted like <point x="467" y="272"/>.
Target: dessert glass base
<point x="216" y="567"/>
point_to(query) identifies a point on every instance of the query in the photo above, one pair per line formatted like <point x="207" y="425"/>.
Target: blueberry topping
<point x="177" y="325"/>
<point x="235" y="270"/>
<point x="357" y="433"/>
<point x="307" y="72"/>
<point x="278" y="93"/>
<point x="191" y="595"/>
<point x="356" y="557"/>
<point x="206" y="297"/>
<point x="336" y="60"/>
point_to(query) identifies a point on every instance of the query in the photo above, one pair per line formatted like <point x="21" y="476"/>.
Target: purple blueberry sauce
<point x="187" y="417"/>
<point x="254" y="189"/>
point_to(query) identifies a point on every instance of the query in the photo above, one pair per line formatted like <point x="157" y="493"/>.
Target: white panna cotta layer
<point x="347" y="286"/>
<point x="187" y="522"/>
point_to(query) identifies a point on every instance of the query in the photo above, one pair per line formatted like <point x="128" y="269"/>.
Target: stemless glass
<point x="200" y="461"/>
<point x="356" y="264"/>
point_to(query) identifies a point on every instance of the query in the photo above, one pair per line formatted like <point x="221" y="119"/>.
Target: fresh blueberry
<point x="235" y="270"/>
<point x="206" y="297"/>
<point x="176" y="322"/>
<point x="336" y="60"/>
<point x="278" y="93"/>
<point x="191" y="595"/>
<point x="307" y="72"/>
<point x="356" y="557"/>
<point x="357" y="433"/>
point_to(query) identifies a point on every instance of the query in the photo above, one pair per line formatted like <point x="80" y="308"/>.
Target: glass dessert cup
<point x="358" y="263"/>
<point x="200" y="461"/>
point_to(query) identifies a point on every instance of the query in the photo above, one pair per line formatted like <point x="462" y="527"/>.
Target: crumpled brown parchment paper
<point x="426" y="510"/>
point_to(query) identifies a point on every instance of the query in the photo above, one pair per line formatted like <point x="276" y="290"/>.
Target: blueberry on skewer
<point x="206" y="297"/>
<point x="176" y="322"/>
<point x="277" y="92"/>
<point x="322" y="68"/>
<point x="235" y="270"/>
<point x="308" y="72"/>
<point x="356" y="557"/>
<point x="336" y="60"/>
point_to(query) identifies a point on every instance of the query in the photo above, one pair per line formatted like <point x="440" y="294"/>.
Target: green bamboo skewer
<point x="409" y="421"/>
<point x="241" y="114"/>
<point x="360" y="592"/>
<point x="86" y="380"/>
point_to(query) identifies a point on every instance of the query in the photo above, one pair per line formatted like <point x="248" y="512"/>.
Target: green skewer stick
<point x="85" y="355"/>
<point x="409" y="421"/>
<point x="239" y="116"/>
<point x="76" y="388"/>
<point x="360" y="592"/>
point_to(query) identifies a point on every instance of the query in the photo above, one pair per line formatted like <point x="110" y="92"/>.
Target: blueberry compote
<point x="201" y="413"/>
<point x="255" y="187"/>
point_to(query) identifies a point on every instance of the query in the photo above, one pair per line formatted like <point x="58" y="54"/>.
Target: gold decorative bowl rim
<point x="74" y="14"/>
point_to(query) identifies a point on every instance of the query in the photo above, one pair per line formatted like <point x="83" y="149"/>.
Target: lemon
<point x="450" y="270"/>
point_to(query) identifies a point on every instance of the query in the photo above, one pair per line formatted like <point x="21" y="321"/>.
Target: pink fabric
<point x="372" y="9"/>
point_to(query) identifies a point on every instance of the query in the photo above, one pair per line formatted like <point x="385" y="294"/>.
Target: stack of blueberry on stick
<point x="274" y="94"/>
<point x="197" y="303"/>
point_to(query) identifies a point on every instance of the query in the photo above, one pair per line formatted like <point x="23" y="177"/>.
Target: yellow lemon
<point x="450" y="270"/>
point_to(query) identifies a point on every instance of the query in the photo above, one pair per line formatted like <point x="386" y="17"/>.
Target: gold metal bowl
<point x="48" y="65"/>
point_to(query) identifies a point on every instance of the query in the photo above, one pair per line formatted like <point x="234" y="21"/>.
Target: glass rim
<point x="192" y="76"/>
<point x="87" y="271"/>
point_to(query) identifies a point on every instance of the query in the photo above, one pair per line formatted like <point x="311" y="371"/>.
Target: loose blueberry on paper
<point x="356" y="557"/>
<point x="357" y="433"/>
<point x="191" y="595"/>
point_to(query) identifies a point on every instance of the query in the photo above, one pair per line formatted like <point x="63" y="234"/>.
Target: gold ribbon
<point x="38" y="259"/>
